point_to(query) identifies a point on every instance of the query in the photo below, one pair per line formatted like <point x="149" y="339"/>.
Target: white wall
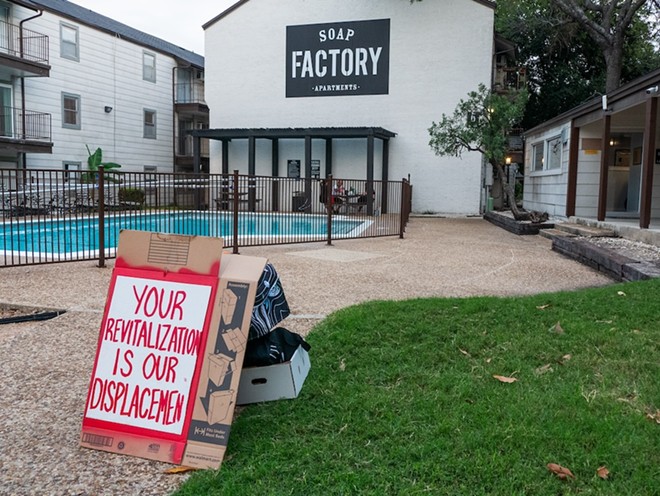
<point x="439" y="51"/>
<point x="109" y="73"/>
<point x="545" y="191"/>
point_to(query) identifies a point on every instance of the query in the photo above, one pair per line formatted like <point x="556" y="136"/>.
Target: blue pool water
<point x="59" y="237"/>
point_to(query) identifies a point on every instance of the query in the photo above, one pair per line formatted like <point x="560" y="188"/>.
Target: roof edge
<point x="595" y="103"/>
<point x="488" y="3"/>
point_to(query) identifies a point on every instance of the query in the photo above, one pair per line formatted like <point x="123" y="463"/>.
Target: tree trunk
<point x="614" y="65"/>
<point x="518" y="214"/>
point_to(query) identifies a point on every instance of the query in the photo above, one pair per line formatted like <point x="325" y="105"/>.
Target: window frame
<point x="78" y="111"/>
<point x="65" y="43"/>
<point x="547" y="166"/>
<point x="148" y="70"/>
<point x="70" y="165"/>
<point x="147" y="132"/>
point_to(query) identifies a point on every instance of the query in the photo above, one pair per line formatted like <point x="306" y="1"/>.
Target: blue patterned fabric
<point x="270" y="306"/>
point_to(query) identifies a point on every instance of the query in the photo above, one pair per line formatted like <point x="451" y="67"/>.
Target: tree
<point x="606" y="23"/>
<point x="482" y="123"/>
<point x="564" y="66"/>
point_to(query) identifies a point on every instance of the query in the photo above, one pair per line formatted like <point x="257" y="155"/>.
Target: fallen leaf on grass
<point x="464" y="352"/>
<point x="603" y="472"/>
<point x="603" y="322"/>
<point x="621" y="293"/>
<point x="508" y="380"/>
<point x="559" y="471"/>
<point x="179" y="470"/>
<point x="342" y="365"/>
<point x="543" y="307"/>
<point x="655" y="416"/>
<point x="566" y="358"/>
<point x="557" y="329"/>
<point x="544" y="369"/>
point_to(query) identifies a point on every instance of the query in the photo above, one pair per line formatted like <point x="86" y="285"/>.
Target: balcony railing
<point x="25" y="124"/>
<point x="23" y="43"/>
<point x="189" y="92"/>
<point x="185" y="147"/>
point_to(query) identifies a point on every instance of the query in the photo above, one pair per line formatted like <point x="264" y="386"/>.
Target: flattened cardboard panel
<point x="203" y="253"/>
<point x="215" y="400"/>
<point x="151" y="345"/>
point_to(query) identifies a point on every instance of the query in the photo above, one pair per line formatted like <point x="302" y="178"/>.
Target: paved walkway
<point x="450" y="257"/>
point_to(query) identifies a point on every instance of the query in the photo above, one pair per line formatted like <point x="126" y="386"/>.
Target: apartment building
<point x="71" y="78"/>
<point x="348" y="87"/>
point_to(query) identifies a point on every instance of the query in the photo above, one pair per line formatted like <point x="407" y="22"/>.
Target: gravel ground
<point x="45" y="366"/>
<point x="633" y="249"/>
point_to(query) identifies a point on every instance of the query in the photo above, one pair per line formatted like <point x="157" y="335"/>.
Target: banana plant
<point x="94" y="161"/>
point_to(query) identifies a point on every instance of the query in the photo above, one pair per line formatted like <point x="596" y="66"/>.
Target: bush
<point x="131" y="195"/>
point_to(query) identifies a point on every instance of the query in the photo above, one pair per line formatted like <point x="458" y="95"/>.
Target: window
<point x="70" y="111"/>
<point x="69" y="46"/>
<point x="537" y="156"/>
<point x="149" y="66"/>
<point x="554" y="153"/>
<point x="547" y="155"/>
<point x="149" y="124"/>
<point x="71" y="166"/>
<point x="149" y="171"/>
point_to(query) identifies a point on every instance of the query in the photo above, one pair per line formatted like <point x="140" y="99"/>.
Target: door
<point x="6" y="111"/>
<point x="624" y="173"/>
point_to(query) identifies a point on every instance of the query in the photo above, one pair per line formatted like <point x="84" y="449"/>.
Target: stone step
<point x="582" y="230"/>
<point x="556" y="233"/>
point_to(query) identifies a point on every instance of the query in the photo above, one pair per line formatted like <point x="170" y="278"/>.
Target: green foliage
<point x="94" y="162"/>
<point x="131" y="195"/>
<point x="480" y="123"/>
<point x="401" y="399"/>
<point x="564" y="65"/>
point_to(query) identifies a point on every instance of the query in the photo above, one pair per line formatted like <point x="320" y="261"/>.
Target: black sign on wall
<point x="339" y="58"/>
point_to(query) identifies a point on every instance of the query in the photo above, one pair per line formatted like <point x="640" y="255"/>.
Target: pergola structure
<point x="328" y="134"/>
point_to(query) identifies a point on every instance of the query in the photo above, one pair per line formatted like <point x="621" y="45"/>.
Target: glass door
<point x="624" y="175"/>
<point x="6" y="111"/>
<point x="5" y="29"/>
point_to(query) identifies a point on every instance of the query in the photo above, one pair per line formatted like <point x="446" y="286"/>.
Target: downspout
<point x="174" y="118"/>
<point x="22" y="155"/>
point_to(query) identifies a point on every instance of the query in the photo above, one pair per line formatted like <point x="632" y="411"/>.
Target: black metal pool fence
<point x="49" y="216"/>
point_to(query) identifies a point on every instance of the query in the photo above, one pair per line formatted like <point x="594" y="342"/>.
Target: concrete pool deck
<point x="45" y="366"/>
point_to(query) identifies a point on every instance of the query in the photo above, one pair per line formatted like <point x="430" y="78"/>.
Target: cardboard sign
<point x="148" y="350"/>
<point x="169" y="306"/>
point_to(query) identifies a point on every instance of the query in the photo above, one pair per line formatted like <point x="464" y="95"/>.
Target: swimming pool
<point x="70" y="236"/>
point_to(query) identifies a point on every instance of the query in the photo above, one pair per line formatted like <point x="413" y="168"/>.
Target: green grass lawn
<point x="401" y="400"/>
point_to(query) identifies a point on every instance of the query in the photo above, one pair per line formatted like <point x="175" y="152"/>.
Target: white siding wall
<point x="109" y="73"/>
<point x="439" y="51"/>
<point x="545" y="191"/>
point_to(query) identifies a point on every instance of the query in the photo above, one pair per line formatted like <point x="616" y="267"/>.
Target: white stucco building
<point x="352" y="86"/>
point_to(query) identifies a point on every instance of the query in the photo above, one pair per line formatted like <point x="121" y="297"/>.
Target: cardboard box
<point x="274" y="382"/>
<point x="164" y="383"/>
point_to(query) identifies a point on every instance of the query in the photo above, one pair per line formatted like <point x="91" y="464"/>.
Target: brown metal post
<point x="650" y="125"/>
<point x="236" y="204"/>
<point x="101" y="185"/>
<point x="328" y="206"/>
<point x="573" y="157"/>
<point x="404" y="203"/>
<point x="604" y="166"/>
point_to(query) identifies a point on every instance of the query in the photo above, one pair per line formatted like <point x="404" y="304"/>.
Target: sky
<point x="172" y="20"/>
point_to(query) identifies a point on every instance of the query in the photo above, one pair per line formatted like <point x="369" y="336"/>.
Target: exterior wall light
<point x="107" y="109"/>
